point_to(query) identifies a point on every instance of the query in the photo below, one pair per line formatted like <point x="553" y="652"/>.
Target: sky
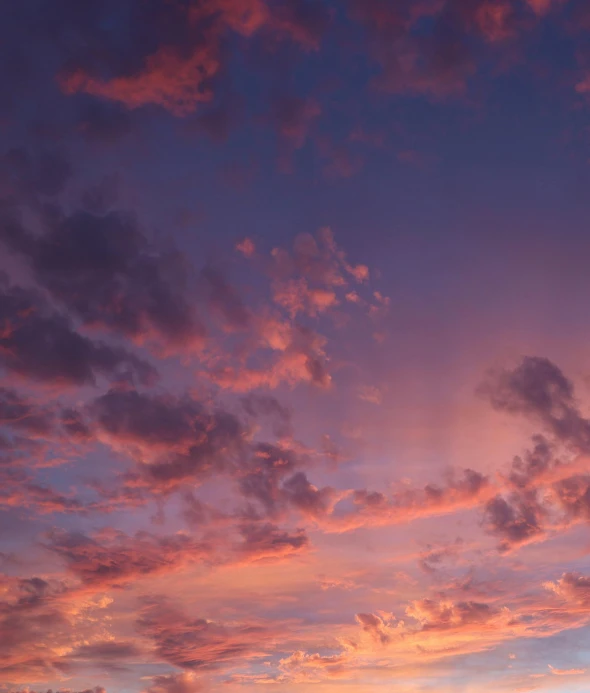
<point x="294" y="338"/>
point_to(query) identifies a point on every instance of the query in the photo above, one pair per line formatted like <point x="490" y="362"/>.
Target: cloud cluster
<point x="542" y="493"/>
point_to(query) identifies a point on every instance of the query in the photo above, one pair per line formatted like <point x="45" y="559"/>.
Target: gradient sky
<point x="294" y="346"/>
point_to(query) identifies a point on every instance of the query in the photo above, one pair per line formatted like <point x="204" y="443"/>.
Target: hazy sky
<point x="294" y="328"/>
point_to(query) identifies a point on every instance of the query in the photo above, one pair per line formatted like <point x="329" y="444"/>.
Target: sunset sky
<point x="295" y="346"/>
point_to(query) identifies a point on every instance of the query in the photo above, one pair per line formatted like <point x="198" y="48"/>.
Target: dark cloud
<point x="573" y="497"/>
<point x="114" y="559"/>
<point x="105" y="651"/>
<point x="177" y="439"/>
<point x="538" y="388"/>
<point x="256" y="405"/>
<point x="515" y="520"/>
<point x="375" y="626"/>
<point x="299" y="492"/>
<point x="196" y="644"/>
<point x="42" y="345"/>
<point x="267" y="541"/>
<point x="18" y="413"/>
<point x="535" y="463"/>
<point x="29" y="607"/>
<point x="101" y="267"/>
<point x="268" y="466"/>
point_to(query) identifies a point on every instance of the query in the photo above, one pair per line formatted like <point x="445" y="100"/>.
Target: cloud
<point x="103" y="270"/>
<point x="256" y="405"/>
<point x="436" y="64"/>
<point x="434" y="49"/>
<point x="246" y="247"/>
<point x="371" y="394"/>
<point x="442" y="615"/>
<point x="40" y="621"/>
<point x="302" y="667"/>
<point x="107" y="654"/>
<point x="42" y="345"/>
<point x="19" y="490"/>
<point x="183" y="65"/>
<point x="262" y="479"/>
<point x="168" y="79"/>
<point x="174" y="439"/>
<point x="317" y="259"/>
<point x="311" y="280"/>
<point x="375" y="626"/>
<point x="265" y="541"/>
<point x="107" y="649"/>
<point x="516" y="521"/>
<point x="566" y="672"/>
<point x="113" y="559"/>
<point x="431" y="559"/>
<point x="544" y="493"/>
<point x="22" y="415"/>
<point x="198" y="644"/>
<point x="175" y="683"/>
<point x="534" y="466"/>
<point x="296" y="355"/>
<point x="537" y="388"/>
<point x="573" y="587"/>
<point x="375" y="509"/>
